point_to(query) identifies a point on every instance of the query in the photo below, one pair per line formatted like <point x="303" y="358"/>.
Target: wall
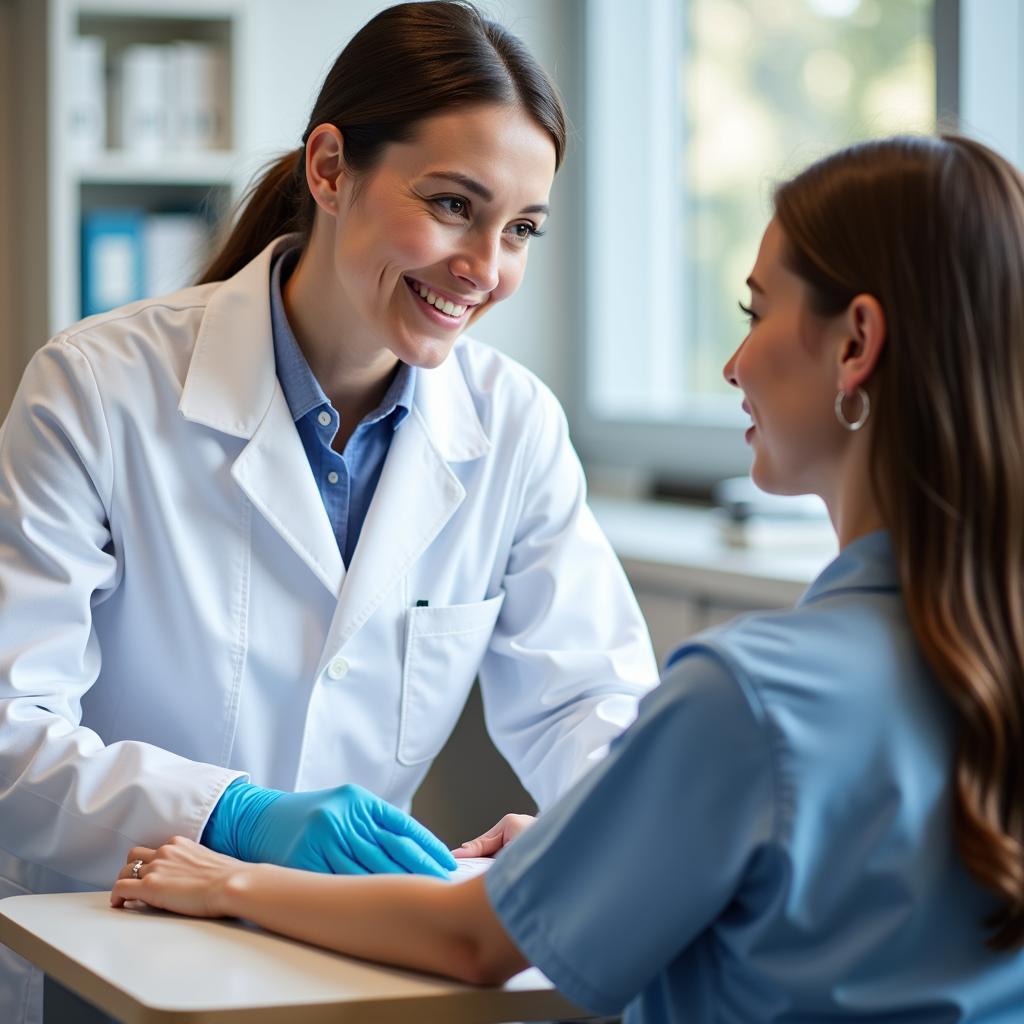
<point x="8" y="202"/>
<point x="23" y="169"/>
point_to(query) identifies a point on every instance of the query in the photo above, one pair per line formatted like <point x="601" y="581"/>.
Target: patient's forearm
<point x="423" y="923"/>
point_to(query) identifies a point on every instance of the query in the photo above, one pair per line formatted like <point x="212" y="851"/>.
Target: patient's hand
<point x="181" y="876"/>
<point x="495" y="838"/>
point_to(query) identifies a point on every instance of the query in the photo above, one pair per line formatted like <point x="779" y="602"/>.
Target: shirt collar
<point x="868" y="563"/>
<point x="302" y="390"/>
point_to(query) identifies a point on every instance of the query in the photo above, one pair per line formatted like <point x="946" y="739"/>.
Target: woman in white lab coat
<point x="257" y="538"/>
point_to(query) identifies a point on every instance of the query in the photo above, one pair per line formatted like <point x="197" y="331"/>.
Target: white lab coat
<point x="174" y="611"/>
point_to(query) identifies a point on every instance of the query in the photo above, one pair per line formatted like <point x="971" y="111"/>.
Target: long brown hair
<point x="408" y="63"/>
<point x="934" y="229"/>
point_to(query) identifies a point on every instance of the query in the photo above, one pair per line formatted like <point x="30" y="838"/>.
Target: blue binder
<point x="112" y="258"/>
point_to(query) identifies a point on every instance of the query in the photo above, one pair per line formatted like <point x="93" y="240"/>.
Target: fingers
<point x="374" y="850"/>
<point x="486" y="845"/>
<point x="339" y="863"/>
<point x="496" y="838"/>
<point x="125" y="889"/>
<point x="148" y="855"/>
<point x="137" y="853"/>
<point x="407" y="855"/>
<point x="399" y="823"/>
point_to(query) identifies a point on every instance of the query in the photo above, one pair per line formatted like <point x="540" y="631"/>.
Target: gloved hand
<point x="343" y="831"/>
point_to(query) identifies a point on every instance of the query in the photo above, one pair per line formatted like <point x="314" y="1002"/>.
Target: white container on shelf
<point x="141" y="98"/>
<point x="197" y="78"/>
<point x="87" y="97"/>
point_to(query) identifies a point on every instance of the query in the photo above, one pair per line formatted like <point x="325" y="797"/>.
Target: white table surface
<point x="674" y="547"/>
<point x="145" y="966"/>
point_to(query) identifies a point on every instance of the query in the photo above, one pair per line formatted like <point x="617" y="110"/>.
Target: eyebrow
<point x="754" y="286"/>
<point x="474" y="186"/>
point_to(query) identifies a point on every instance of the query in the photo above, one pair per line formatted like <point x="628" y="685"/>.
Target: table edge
<point x="533" y="1004"/>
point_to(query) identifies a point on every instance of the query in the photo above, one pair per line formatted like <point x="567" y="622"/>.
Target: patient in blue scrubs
<point x="819" y="814"/>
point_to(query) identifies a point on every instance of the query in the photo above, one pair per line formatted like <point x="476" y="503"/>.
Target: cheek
<point x="513" y="269"/>
<point x="423" y="241"/>
<point x="776" y="364"/>
<point x="404" y="241"/>
<point x="410" y="246"/>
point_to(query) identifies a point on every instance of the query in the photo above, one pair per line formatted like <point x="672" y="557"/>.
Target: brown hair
<point x="934" y="229"/>
<point x="408" y="63"/>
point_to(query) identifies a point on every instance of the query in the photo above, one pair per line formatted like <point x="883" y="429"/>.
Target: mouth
<point x="753" y="426"/>
<point x="438" y="303"/>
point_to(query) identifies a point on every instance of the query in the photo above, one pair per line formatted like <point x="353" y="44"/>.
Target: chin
<point x="768" y="481"/>
<point x="426" y="354"/>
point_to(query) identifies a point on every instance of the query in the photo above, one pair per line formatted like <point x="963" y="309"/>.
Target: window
<point x="694" y="109"/>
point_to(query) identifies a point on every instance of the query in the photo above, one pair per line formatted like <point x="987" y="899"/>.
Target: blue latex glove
<point x="343" y="831"/>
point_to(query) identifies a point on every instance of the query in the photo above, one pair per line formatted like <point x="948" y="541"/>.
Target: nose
<point x="476" y="263"/>
<point x="729" y="370"/>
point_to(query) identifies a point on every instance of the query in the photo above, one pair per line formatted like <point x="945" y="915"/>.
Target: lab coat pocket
<point x="443" y="650"/>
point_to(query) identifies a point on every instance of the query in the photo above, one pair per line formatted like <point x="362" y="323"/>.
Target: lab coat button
<point x="338" y="668"/>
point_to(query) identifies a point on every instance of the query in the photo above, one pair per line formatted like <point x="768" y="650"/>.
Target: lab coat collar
<point x="232" y="378"/>
<point x="444" y="403"/>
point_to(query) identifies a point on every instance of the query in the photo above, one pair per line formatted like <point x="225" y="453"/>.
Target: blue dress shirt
<point x="347" y="481"/>
<point x="772" y="840"/>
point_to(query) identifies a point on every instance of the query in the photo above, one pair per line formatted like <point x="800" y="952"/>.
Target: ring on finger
<point x="136" y="865"/>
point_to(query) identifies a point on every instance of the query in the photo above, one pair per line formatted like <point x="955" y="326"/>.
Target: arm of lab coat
<point x="68" y="802"/>
<point x="570" y="655"/>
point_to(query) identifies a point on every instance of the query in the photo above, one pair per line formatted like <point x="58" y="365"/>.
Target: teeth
<point x="444" y="305"/>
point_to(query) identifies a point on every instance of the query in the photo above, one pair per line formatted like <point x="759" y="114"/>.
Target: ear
<point x="326" y="174"/>
<point x="864" y="336"/>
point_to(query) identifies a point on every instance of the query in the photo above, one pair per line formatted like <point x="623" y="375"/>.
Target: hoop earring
<point x="865" y="410"/>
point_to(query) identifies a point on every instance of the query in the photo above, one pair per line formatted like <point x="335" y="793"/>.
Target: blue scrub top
<point x="772" y="840"/>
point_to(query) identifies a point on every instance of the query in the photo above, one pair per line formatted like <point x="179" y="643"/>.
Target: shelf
<point x="213" y="168"/>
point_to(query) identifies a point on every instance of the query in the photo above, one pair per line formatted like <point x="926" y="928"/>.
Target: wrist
<point x="232" y="895"/>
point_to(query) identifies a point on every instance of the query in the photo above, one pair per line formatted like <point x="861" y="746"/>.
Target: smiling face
<point x="438" y="231"/>
<point x="788" y="370"/>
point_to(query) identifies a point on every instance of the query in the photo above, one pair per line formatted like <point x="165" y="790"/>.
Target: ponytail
<point x="272" y="206"/>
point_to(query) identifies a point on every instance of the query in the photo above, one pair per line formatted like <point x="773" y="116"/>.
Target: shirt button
<point x="338" y="668"/>
<point x="324" y="419"/>
<point x="332" y="477"/>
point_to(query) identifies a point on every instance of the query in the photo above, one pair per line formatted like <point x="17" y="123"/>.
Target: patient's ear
<point x="864" y="334"/>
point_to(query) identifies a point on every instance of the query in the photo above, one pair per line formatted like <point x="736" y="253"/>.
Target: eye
<point x="524" y="231"/>
<point x="454" y="205"/>
<point x="749" y="314"/>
